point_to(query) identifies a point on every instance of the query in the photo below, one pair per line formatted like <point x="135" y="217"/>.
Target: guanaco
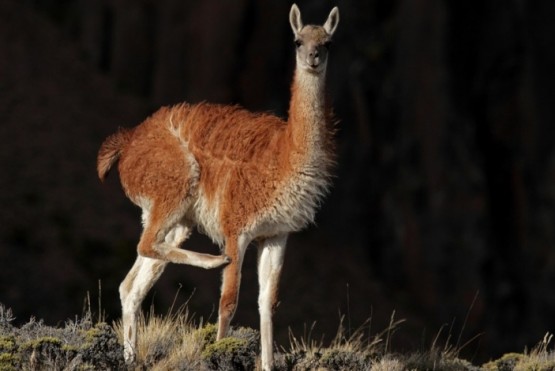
<point x="238" y="176"/>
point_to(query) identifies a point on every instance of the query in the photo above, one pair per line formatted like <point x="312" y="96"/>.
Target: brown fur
<point x="247" y="154"/>
<point x="241" y="152"/>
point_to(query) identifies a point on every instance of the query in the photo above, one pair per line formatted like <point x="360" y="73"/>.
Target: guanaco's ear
<point x="332" y="21"/>
<point x="295" y="19"/>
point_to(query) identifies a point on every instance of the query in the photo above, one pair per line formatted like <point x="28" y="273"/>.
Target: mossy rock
<point x="43" y="343"/>
<point x="438" y="361"/>
<point x="339" y="359"/>
<point x="43" y="352"/>
<point x="207" y="334"/>
<point x="8" y="344"/>
<point x="9" y="362"/>
<point x="230" y="354"/>
<point x="298" y="360"/>
<point x="102" y="348"/>
<point x="9" y="357"/>
<point x="457" y="364"/>
<point x="506" y="363"/>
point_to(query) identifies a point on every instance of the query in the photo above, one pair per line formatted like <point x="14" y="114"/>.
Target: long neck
<point x="307" y="116"/>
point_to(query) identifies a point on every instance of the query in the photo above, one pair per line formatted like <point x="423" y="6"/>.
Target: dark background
<point x="445" y="187"/>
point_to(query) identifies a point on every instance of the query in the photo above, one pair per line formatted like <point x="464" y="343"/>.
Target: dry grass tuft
<point x="167" y="342"/>
<point x="347" y="351"/>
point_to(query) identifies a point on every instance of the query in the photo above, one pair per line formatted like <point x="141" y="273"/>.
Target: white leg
<point x="176" y="236"/>
<point x="270" y="261"/>
<point x="133" y="289"/>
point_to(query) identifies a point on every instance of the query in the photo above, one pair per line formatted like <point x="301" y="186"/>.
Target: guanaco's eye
<point x="298" y="43"/>
<point x="327" y="44"/>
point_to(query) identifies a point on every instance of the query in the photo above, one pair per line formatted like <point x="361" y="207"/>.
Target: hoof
<point x="216" y="261"/>
<point x="129" y="358"/>
<point x="225" y="260"/>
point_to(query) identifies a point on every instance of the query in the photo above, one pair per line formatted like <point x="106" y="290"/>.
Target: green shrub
<point x="342" y="359"/>
<point x="101" y="348"/>
<point x="207" y="334"/>
<point x="76" y="346"/>
<point x="542" y="361"/>
<point x="9" y="357"/>
<point x="237" y="352"/>
<point x="434" y="360"/>
<point x="43" y="352"/>
<point x="505" y="363"/>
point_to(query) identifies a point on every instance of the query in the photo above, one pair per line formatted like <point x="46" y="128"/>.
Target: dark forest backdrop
<point x="445" y="186"/>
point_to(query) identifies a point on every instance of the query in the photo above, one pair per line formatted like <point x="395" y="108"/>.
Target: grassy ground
<point x="176" y="342"/>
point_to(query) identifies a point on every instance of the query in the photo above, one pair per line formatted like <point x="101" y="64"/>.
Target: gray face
<point x="312" y="44"/>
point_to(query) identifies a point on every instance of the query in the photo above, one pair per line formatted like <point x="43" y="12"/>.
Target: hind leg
<point x="159" y="174"/>
<point x="163" y="235"/>
<point x="133" y="289"/>
<point x="144" y="274"/>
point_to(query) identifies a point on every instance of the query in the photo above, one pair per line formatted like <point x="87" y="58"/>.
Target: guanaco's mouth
<point x="313" y="63"/>
<point x="314" y="68"/>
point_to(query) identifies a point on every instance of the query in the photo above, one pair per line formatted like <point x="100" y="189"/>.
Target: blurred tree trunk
<point x="133" y="48"/>
<point x="171" y="53"/>
<point x="497" y="110"/>
<point x="538" y="143"/>
<point x="92" y="27"/>
<point x="265" y="52"/>
<point x="421" y="118"/>
<point x="215" y="29"/>
<point x="495" y="67"/>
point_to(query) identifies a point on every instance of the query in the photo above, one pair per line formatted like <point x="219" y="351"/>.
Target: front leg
<point x="235" y="248"/>
<point x="270" y="261"/>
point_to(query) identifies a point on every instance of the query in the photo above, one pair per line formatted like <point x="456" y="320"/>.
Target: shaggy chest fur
<point x="296" y="201"/>
<point x="245" y="206"/>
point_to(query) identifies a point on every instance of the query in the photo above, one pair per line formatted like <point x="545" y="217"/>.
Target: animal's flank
<point x="110" y="151"/>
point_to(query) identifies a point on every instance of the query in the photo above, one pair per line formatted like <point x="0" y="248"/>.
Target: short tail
<point x="110" y="151"/>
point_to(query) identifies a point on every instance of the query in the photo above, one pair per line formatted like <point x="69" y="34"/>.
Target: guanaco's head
<point x="312" y="41"/>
